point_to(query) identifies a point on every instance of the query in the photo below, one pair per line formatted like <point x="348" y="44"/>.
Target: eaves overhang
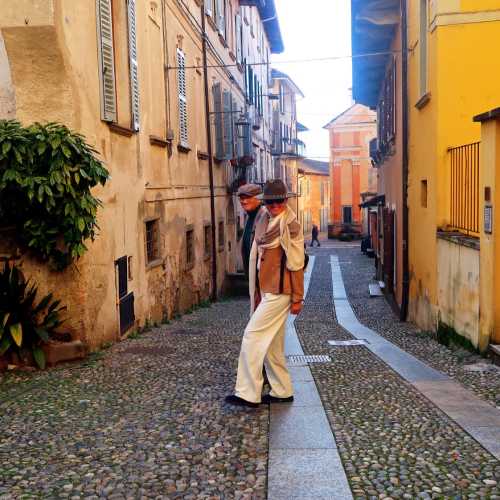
<point x="269" y="16"/>
<point x="373" y="28"/>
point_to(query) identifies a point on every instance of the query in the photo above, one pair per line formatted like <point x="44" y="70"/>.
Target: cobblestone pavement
<point x="393" y="442"/>
<point x="147" y="420"/>
<point x="358" y="271"/>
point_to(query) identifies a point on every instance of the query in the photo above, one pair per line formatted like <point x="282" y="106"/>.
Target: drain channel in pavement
<point x="297" y="360"/>
<point x="347" y="343"/>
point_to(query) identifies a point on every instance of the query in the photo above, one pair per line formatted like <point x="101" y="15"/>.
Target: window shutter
<point x="107" y="60"/>
<point x="183" y="112"/>
<point x="134" y="78"/>
<point x="237" y="141"/>
<point x="219" y="131"/>
<point x="208" y="7"/>
<point x="220" y="17"/>
<point x="228" y="126"/>
<point x="239" y="48"/>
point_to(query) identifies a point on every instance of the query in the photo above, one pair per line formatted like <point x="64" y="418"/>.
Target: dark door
<point x="389" y="248"/>
<point x="125" y="299"/>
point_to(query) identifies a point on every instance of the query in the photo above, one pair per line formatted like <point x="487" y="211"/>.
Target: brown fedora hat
<point x="275" y="190"/>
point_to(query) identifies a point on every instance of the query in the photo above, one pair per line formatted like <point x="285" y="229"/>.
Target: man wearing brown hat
<point x="252" y="205"/>
<point x="276" y="288"/>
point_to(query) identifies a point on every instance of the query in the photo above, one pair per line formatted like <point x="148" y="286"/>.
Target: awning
<point x="373" y="202"/>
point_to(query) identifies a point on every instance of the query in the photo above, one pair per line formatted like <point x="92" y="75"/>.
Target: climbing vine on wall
<point x="46" y="176"/>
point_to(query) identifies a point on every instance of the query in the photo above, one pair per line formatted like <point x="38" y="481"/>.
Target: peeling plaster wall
<point x="7" y="94"/>
<point x="458" y="288"/>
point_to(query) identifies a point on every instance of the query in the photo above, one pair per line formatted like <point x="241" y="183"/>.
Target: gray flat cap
<point x="249" y="190"/>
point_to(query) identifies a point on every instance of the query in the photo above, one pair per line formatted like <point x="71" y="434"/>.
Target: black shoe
<point x="236" y="401"/>
<point x="271" y="399"/>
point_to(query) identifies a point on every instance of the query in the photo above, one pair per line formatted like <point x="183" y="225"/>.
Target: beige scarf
<point x="271" y="232"/>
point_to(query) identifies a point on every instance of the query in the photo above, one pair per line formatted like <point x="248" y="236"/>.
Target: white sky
<point x="312" y="29"/>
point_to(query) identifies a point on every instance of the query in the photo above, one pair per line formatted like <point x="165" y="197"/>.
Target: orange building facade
<point x="351" y="172"/>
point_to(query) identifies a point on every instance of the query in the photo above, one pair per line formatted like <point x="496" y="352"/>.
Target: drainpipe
<point x="406" y="270"/>
<point x="213" y="295"/>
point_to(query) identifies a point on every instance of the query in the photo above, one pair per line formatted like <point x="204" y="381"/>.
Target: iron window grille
<point x="222" y="235"/>
<point x="207" y="231"/>
<point x="189" y="247"/>
<point x="152" y="241"/>
<point x="387" y="110"/>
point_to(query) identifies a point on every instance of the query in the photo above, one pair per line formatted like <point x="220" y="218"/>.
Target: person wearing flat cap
<point x="248" y="195"/>
<point x="276" y="286"/>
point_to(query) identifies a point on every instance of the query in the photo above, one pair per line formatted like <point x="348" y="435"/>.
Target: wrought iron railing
<point x="464" y="203"/>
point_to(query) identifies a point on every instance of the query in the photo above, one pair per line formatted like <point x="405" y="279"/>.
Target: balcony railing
<point x="464" y="205"/>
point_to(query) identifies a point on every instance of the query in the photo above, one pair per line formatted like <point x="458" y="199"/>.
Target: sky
<point x="315" y="29"/>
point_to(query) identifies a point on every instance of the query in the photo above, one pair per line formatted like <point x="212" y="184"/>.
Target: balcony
<point x="290" y="148"/>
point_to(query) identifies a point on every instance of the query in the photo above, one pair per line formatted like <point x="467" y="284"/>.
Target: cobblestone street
<point x="146" y="418"/>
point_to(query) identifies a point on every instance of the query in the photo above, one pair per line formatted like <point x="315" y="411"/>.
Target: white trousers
<point x="264" y="344"/>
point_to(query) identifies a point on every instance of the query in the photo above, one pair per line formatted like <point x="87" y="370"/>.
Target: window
<point x="189" y="247"/>
<point x="209" y="7"/>
<point x="224" y="117"/>
<point x="282" y="98"/>
<point x="222" y="235"/>
<point x="152" y="241"/>
<point x="183" y="111"/>
<point x="423" y="47"/>
<point x="207" y="240"/>
<point x="239" y="39"/>
<point x="387" y="109"/>
<point x="116" y="22"/>
<point x="423" y="193"/>
<point x="347" y="215"/>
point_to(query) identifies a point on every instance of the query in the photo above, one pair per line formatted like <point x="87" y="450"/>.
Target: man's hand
<point x="296" y="307"/>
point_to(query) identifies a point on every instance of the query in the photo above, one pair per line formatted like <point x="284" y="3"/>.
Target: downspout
<point x="406" y="271"/>
<point x="213" y="294"/>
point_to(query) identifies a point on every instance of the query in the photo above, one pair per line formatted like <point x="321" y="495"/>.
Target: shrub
<point x="24" y="325"/>
<point x="46" y="176"/>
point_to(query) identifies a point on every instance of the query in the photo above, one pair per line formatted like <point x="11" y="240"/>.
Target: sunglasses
<point x="275" y="202"/>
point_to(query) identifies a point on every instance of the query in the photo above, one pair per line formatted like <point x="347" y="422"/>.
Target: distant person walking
<point x="314" y="235"/>
<point x="276" y="288"/>
<point x="252" y="205"/>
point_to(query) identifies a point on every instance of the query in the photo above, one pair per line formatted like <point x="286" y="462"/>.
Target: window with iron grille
<point x="182" y="91"/>
<point x="387" y="109"/>
<point x="152" y="240"/>
<point x="222" y="235"/>
<point x="207" y="233"/>
<point x="189" y="247"/>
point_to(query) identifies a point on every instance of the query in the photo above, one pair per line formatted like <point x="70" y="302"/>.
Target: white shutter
<point x="239" y="48"/>
<point x="183" y="113"/>
<point x="106" y="60"/>
<point x="208" y="7"/>
<point x="134" y="81"/>
<point x="220" y="17"/>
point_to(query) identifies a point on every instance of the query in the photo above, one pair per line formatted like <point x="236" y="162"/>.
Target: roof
<point x="279" y="75"/>
<point x="351" y="118"/>
<point x="301" y="127"/>
<point x="308" y="166"/>
<point x="373" y="28"/>
<point x="373" y="202"/>
<point x="269" y="16"/>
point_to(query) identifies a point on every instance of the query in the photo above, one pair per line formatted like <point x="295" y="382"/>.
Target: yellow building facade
<point x="128" y="75"/>
<point x="452" y="75"/>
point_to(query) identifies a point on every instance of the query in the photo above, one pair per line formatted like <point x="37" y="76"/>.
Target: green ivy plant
<point x="46" y="176"/>
<point x="24" y="324"/>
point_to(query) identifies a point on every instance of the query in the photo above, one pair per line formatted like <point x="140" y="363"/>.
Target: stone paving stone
<point x="392" y="440"/>
<point x="294" y="427"/>
<point x="146" y="420"/>
<point x="306" y="474"/>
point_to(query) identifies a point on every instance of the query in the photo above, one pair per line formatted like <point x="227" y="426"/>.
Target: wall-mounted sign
<point x="488" y="219"/>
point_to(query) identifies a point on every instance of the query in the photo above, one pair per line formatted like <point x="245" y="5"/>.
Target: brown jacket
<point x="269" y="276"/>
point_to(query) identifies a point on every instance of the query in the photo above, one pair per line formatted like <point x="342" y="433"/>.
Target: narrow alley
<point x="146" y="418"/>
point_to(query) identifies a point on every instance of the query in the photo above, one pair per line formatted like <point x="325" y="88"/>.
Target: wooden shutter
<point x="237" y="141"/>
<point x="239" y="48"/>
<point x="134" y="77"/>
<point x="228" y="126"/>
<point x="183" y="112"/>
<point x="219" y="130"/>
<point x="106" y="60"/>
<point x="220" y="16"/>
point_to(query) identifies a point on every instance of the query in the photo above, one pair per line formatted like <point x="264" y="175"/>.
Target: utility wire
<point x="294" y="61"/>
